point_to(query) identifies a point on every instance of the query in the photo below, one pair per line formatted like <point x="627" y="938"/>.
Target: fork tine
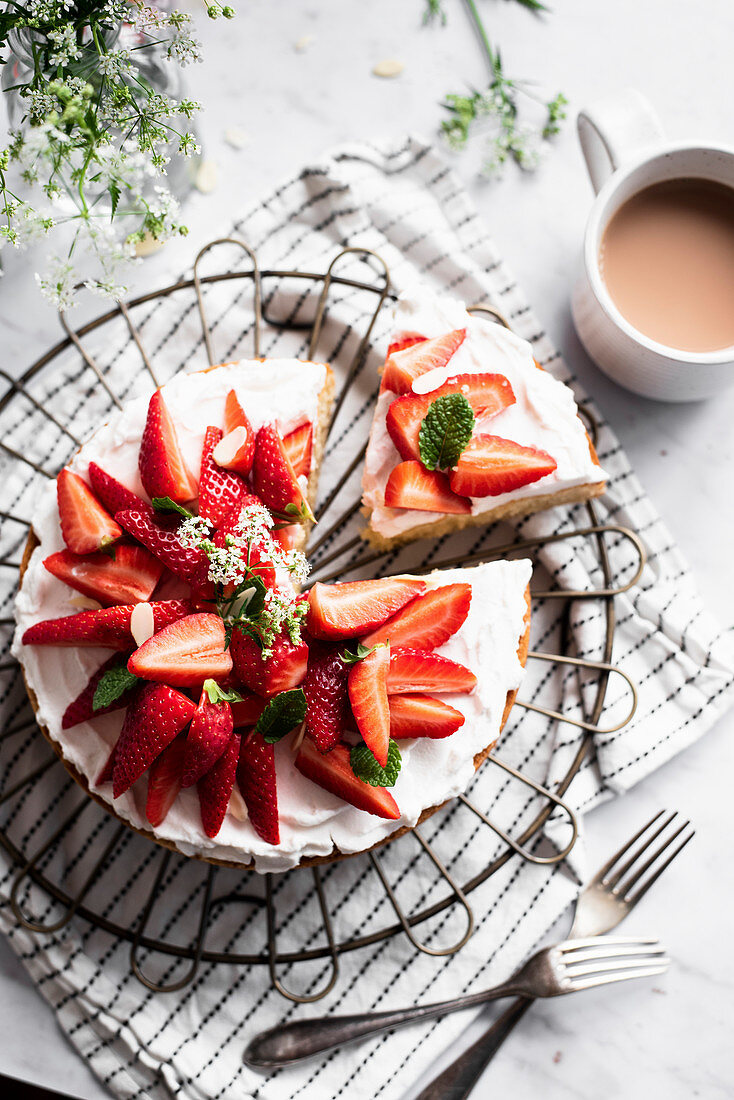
<point x="622" y="851"/>
<point x="608" y="941"/>
<point x="614" y="879"/>
<point x="607" y="979"/>
<point x="611" y="966"/>
<point x="624" y="888"/>
<point x="632" y="901"/>
<point x="652" y="947"/>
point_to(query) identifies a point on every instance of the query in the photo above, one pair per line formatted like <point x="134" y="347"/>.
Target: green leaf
<point x="216" y="694"/>
<point x="282" y="714"/>
<point x="445" y="431"/>
<point x="363" y="651"/>
<point x="366" y="768"/>
<point x="114" y="192"/>
<point x="115" y="682"/>
<point x="165" y="504"/>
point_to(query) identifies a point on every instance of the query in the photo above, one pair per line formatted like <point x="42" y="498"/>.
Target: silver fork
<point x="597" y="905"/>
<point x="605" y="901"/>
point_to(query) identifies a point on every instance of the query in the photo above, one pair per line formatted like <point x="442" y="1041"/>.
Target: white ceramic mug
<point x="625" y="150"/>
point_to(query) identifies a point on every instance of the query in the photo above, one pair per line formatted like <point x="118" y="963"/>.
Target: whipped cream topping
<point x="544" y="414"/>
<point x="312" y="821"/>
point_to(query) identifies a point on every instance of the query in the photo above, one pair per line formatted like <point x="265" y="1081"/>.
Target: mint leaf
<point x="165" y="504"/>
<point x="363" y="651"/>
<point x="115" y="682"/>
<point x="282" y="714"/>
<point x="445" y="431"/>
<point x="216" y="694"/>
<point x="366" y="768"/>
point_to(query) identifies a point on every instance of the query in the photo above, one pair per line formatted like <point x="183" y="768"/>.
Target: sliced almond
<point x="298" y="739"/>
<point x="142" y="623"/>
<point x="303" y="42"/>
<point x="237" y="806"/>
<point x="226" y="449"/>
<point x="207" y="177"/>
<point x="388" y="68"/>
<point x="84" y="603"/>
<point x="235" y="137"/>
<point x="431" y="380"/>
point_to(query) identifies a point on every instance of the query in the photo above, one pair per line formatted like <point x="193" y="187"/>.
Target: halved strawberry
<point x="152" y="721"/>
<point x="85" y="525"/>
<point x="367" y="685"/>
<point x="274" y="479"/>
<point x="82" y="709"/>
<point x="214" y="788"/>
<point x="128" y="575"/>
<point x="235" y="419"/>
<point x="208" y="736"/>
<point x="421" y="670"/>
<point x="349" y="609"/>
<point x="282" y="670"/>
<point x="490" y="466"/>
<point x="159" y="533"/>
<point x="257" y="783"/>
<point x="411" y="485"/>
<point x="422" y="716"/>
<point x="247" y="711"/>
<point x="298" y="445"/>
<point x="109" y="627"/>
<point x="164" y="781"/>
<point x="405" y="364"/>
<point x="163" y="471"/>
<point x="112" y="494"/>
<point x="333" y="772"/>
<point x="185" y="653"/>
<point x="427" y="621"/>
<point x="327" y="700"/>
<point x="220" y="491"/>
<point x="488" y="394"/>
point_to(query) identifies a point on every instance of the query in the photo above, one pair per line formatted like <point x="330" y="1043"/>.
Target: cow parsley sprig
<point x="87" y="161"/>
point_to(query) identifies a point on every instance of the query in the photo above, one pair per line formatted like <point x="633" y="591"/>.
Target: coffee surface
<point x="667" y="258"/>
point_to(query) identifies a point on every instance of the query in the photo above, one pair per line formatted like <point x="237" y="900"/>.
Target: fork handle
<point x="457" y="1080"/>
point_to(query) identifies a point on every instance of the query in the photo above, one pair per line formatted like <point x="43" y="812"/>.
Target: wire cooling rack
<point x="72" y="861"/>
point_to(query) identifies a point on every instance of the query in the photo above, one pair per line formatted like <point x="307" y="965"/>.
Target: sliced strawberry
<point x="274" y="479"/>
<point x="333" y="772"/>
<point x="404" y="340"/>
<point x="82" y="709"/>
<point x="411" y="485"/>
<point x="367" y="685"/>
<point x="220" y="491"/>
<point x="128" y="575"/>
<point x="235" y="419"/>
<point x="208" y="736"/>
<point x="421" y="670"/>
<point x="109" y="627"/>
<point x="422" y="716"/>
<point x="185" y="653"/>
<point x="105" y="776"/>
<point x="289" y="536"/>
<point x="327" y="701"/>
<point x="152" y="721"/>
<point x="257" y="783"/>
<point x="298" y="446"/>
<point x="490" y="466"/>
<point x="160" y="535"/>
<point x="214" y="789"/>
<point x="164" y="781"/>
<point x="282" y="670"/>
<point x="163" y="470"/>
<point x="113" y="495"/>
<point x="248" y="710"/>
<point x="350" y="609"/>
<point x="405" y="364"/>
<point x="488" y="394"/>
<point x="428" y="621"/>
<point x="85" y="525"/>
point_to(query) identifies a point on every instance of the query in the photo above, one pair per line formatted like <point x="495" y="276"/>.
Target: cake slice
<point x="468" y="429"/>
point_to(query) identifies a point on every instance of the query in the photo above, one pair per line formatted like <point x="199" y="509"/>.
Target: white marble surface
<point x="671" y="1038"/>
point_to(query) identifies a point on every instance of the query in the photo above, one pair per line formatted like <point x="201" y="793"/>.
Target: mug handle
<point x="612" y="130"/>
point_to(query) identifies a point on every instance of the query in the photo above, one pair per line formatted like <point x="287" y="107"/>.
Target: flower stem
<point x="483" y="36"/>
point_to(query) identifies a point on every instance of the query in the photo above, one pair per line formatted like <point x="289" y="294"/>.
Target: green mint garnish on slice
<point x="350" y="658"/>
<point x="282" y="714"/>
<point x="445" y="431"/>
<point x="366" y="768"/>
<point x="217" y="694"/>
<point x="166" y="505"/>
<point x="115" y="682"/>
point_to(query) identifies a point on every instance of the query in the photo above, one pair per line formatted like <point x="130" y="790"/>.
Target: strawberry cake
<point x="193" y="684"/>
<point x="468" y="429"/>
